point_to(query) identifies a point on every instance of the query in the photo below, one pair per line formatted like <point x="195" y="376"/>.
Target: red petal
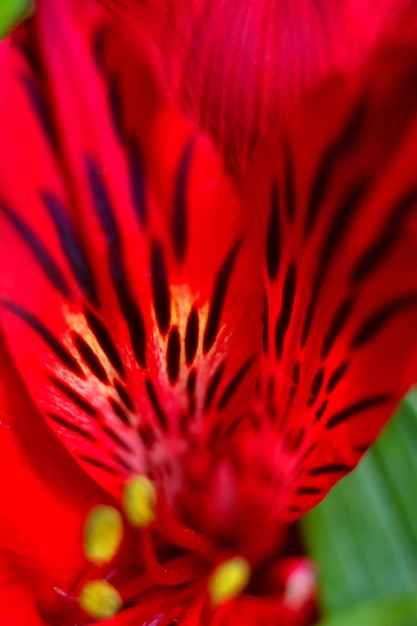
<point x="128" y="276"/>
<point x="233" y="66"/>
<point x="339" y="196"/>
<point x="45" y="499"/>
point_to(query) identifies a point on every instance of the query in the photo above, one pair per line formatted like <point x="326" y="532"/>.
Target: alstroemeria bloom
<point x="188" y="361"/>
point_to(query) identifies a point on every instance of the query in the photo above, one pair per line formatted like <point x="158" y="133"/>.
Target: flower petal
<point x="234" y="66"/>
<point x="45" y="498"/>
<point x="128" y="269"/>
<point x="338" y="197"/>
<point x="340" y="222"/>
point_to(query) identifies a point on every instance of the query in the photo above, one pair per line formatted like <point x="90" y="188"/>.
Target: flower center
<point x="193" y="566"/>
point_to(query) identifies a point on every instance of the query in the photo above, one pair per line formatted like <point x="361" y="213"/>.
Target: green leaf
<point x="12" y="12"/>
<point x="396" y="611"/>
<point x="363" y="536"/>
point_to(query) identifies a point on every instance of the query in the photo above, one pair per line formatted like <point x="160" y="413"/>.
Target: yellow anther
<point x="103" y="533"/>
<point x="229" y="580"/>
<point x="139" y="501"/>
<point x="100" y="599"/>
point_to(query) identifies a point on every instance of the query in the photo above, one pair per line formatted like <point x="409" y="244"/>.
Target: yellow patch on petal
<point x="100" y="599"/>
<point x="139" y="501"/>
<point x="229" y="580"/>
<point x="103" y="532"/>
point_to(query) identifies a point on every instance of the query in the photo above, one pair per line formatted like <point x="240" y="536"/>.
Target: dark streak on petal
<point x="334" y="153"/>
<point x="99" y="464"/>
<point x="57" y="348"/>
<point x="191" y="336"/>
<point x="389" y="235"/>
<point x="284" y="318"/>
<point x="71" y="246"/>
<point x="137" y="184"/>
<point x="111" y="232"/>
<point x="180" y="218"/>
<point x="358" y="407"/>
<point x="308" y="491"/>
<point x="39" y="251"/>
<point x="173" y="355"/>
<point x="90" y="358"/>
<point x="333" y="468"/>
<point x="219" y="296"/>
<point x="234" y="383"/>
<point x="119" y="411"/>
<point x="106" y="342"/>
<point x="124" y="396"/>
<point x="322" y="408"/>
<point x="115" y="437"/>
<point x="290" y="196"/>
<point x="156" y="405"/>
<point x="273" y="236"/>
<point x="337" y="376"/>
<point x="338" y="322"/>
<point x="40" y="109"/>
<point x="71" y="427"/>
<point x="212" y="387"/>
<point x="378" y="320"/>
<point x="160" y="288"/>
<point x="73" y="396"/>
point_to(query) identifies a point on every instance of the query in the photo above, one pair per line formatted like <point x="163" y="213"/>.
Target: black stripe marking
<point x="90" y="358"/>
<point x="358" y="407"/>
<point x="340" y="147"/>
<point x="40" y="109"/>
<point x="322" y="408"/>
<point x="111" y="232"/>
<point x="162" y="418"/>
<point x="191" y="336"/>
<point x="106" y="342"/>
<point x="160" y="288"/>
<point x="99" y="464"/>
<point x="220" y="289"/>
<point x="124" y="396"/>
<point x="338" y="322"/>
<point x="337" y="376"/>
<point x="57" y="348"/>
<point x="71" y="427"/>
<point x="180" y="217"/>
<point x="212" y="387"/>
<point x="73" y="396"/>
<point x="234" y="383"/>
<point x="71" y="246"/>
<point x="287" y="305"/>
<point x="344" y="214"/>
<point x="273" y="244"/>
<point x="332" y="468"/>
<point x="296" y="373"/>
<point x="137" y="184"/>
<point x="388" y="237"/>
<point x="378" y="320"/>
<point x="115" y="437"/>
<point x="173" y="355"/>
<point x="39" y="251"/>
<point x="308" y="491"/>
<point x="317" y="382"/>
<point x="119" y="411"/>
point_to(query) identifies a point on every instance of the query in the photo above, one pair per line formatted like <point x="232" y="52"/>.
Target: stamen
<point x="139" y="501"/>
<point x="103" y="533"/>
<point x="229" y="580"/>
<point x="100" y="599"/>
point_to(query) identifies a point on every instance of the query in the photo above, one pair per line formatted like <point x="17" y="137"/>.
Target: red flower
<point x="188" y="361"/>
